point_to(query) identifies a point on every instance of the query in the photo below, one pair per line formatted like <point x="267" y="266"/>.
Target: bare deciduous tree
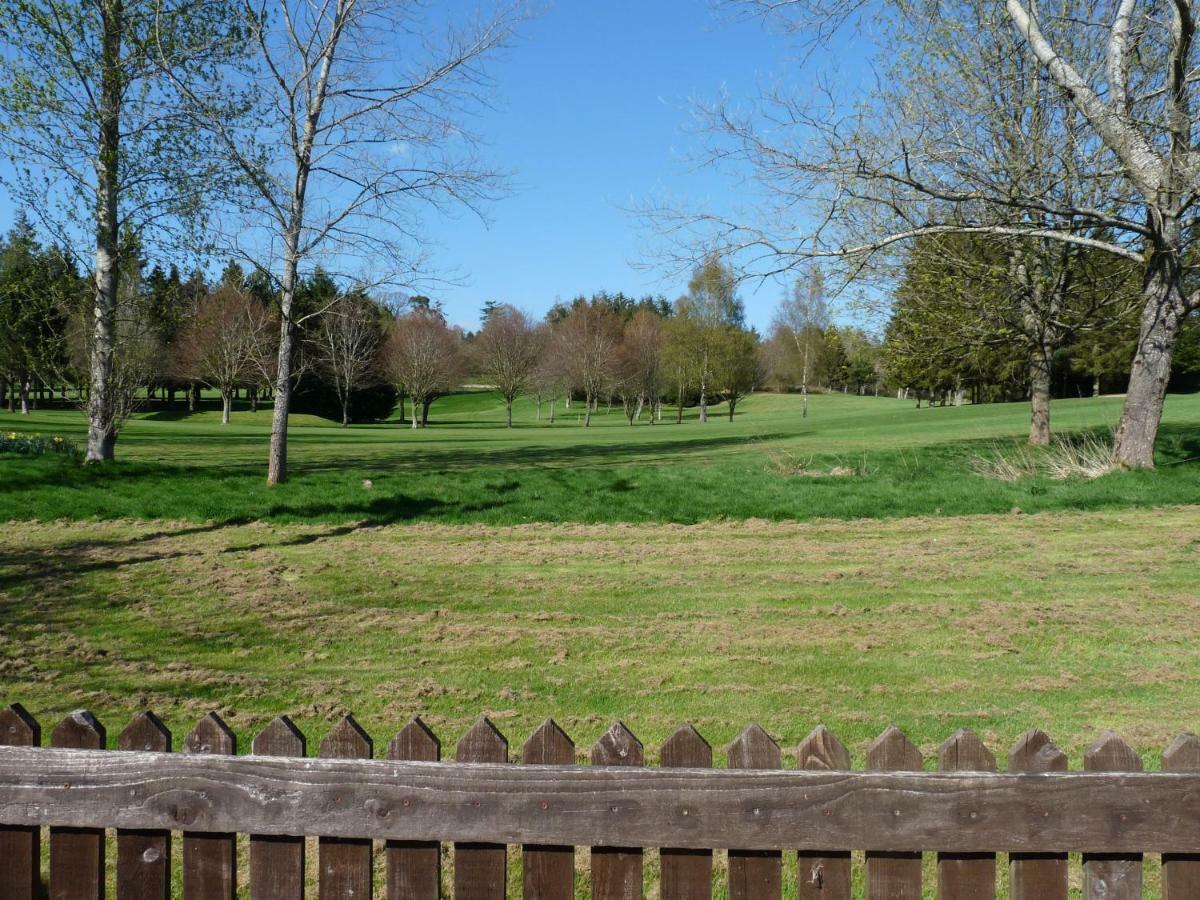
<point x="346" y="345"/>
<point x="507" y="351"/>
<point x="359" y="130"/>
<point x="804" y="316"/>
<point x="584" y="343"/>
<point x="423" y="357"/>
<point x="639" y="372"/>
<point x="225" y="344"/>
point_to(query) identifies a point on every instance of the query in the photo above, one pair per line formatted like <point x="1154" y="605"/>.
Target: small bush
<point x="1086" y="456"/>
<point x="35" y="444"/>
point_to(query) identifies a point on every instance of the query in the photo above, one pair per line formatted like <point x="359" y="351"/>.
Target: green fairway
<point x="892" y="460"/>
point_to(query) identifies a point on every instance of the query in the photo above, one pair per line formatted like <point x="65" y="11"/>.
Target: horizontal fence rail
<point x="1037" y="811"/>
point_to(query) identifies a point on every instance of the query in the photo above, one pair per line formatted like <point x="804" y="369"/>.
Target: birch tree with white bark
<point x="91" y="118"/>
<point x="359" y="132"/>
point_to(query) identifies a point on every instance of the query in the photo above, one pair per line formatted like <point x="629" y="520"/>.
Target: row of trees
<point x="356" y="354"/>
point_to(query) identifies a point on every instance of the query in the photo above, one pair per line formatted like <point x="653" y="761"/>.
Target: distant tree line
<point x="357" y="355"/>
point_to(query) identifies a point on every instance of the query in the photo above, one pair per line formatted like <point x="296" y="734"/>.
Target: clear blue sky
<point x="592" y="115"/>
<point x="594" y="110"/>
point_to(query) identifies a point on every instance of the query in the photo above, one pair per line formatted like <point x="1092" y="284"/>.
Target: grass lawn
<point x="558" y="571"/>
<point x="467" y="468"/>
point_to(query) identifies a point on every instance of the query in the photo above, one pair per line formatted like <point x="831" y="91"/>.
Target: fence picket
<point x="345" y="863"/>
<point x="144" y="857"/>
<point x="966" y="876"/>
<point x="755" y="874"/>
<point x="893" y="876"/>
<point x="414" y="867"/>
<point x="481" y="870"/>
<point x="686" y="874"/>
<point x="277" y="861"/>
<point x="823" y="875"/>
<point x="617" y="871"/>
<point x="1181" y="871"/>
<point x="20" y="845"/>
<point x="210" y="858"/>
<point x="77" y="854"/>
<point x="549" y="871"/>
<point x="1112" y="876"/>
<point x="1037" y="876"/>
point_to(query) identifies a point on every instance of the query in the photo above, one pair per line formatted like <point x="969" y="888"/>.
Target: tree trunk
<point x="24" y="397"/>
<point x="345" y="410"/>
<point x="226" y="406"/>
<point x="539" y="409"/>
<point x="507" y="413"/>
<point x="252" y="392"/>
<point x="732" y="404"/>
<point x="170" y="397"/>
<point x="587" y="410"/>
<point x="552" y="411"/>
<point x="703" y="403"/>
<point x="1096" y="385"/>
<point x="425" y="404"/>
<point x="1162" y="317"/>
<point x="1039" y="397"/>
<point x="416" y="416"/>
<point x="401" y="407"/>
<point x="277" y="460"/>
<point x="101" y="408"/>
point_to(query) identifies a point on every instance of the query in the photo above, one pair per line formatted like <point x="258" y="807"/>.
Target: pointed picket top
<point x="893" y="751"/>
<point x="281" y="737"/>
<point x="963" y="751"/>
<point x="18" y="728"/>
<point x="346" y="740"/>
<point x="1110" y="753"/>
<point x="686" y="749"/>
<point x="548" y="746"/>
<point x="415" y="741"/>
<point x="482" y="744"/>
<point x="1035" y="752"/>
<point x="822" y="750"/>
<point x="145" y="732"/>
<point x="618" y="747"/>
<point x="754" y="749"/>
<point x="79" y="731"/>
<point x="1183" y="755"/>
<point x="211" y="735"/>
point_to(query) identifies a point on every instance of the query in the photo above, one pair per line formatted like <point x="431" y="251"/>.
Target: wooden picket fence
<point x="1036" y="812"/>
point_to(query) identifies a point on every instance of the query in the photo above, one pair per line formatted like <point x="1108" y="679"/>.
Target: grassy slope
<point x="469" y="469"/>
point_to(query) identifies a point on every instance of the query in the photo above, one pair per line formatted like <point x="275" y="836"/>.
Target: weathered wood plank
<point x="77" y="854"/>
<point x="276" y="860"/>
<point x="888" y="811"/>
<point x="344" y="864"/>
<point x="481" y="869"/>
<point x="617" y="870"/>
<point x="966" y="876"/>
<point x="549" y="870"/>
<point x="20" y="845"/>
<point x="1037" y="876"/>
<point x="1181" y="871"/>
<point x="1112" y="876"/>
<point x="686" y="874"/>
<point x="823" y="875"/>
<point x="755" y="874"/>
<point x="210" y="855"/>
<point x="893" y="875"/>
<point x="414" y="868"/>
<point x="144" y="857"/>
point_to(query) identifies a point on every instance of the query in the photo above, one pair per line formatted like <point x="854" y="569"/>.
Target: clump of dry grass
<point x="796" y="465"/>
<point x="1086" y="456"/>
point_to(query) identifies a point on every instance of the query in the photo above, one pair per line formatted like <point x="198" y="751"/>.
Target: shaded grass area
<point x="468" y="468"/>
